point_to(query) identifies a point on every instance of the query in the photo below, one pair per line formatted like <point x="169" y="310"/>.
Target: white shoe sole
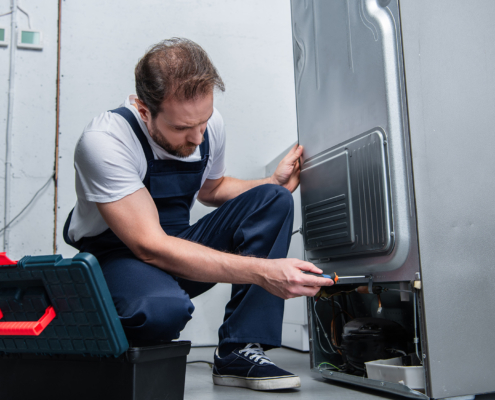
<point x="272" y="383"/>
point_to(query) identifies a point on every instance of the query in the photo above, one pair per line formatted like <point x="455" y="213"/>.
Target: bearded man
<point x="139" y="170"/>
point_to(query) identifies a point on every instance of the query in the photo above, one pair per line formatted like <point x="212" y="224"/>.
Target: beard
<point x="181" y="151"/>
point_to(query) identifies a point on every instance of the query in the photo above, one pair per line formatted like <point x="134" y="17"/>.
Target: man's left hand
<point x="289" y="169"/>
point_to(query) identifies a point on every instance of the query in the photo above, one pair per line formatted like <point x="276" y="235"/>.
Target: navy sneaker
<point x="251" y="368"/>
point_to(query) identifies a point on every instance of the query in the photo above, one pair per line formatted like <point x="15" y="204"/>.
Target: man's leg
<point x="150" y="303"/>
<point x="256" y="223"/>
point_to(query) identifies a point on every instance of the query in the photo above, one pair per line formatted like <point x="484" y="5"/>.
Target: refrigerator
<point x="395" y="110"/>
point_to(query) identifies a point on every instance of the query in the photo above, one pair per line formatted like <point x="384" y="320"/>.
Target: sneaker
<point x="251" y="368"/>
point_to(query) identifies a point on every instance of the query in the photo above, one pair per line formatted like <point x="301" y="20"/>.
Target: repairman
<point x="139" y="169"/>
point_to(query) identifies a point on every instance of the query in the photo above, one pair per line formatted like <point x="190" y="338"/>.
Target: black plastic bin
<point x="142" y="373"/>
<point x="61" y="338"/>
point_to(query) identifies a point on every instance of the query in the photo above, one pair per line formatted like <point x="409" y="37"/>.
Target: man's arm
<point x="134" y="219"/>
<point x="218" y="191"/>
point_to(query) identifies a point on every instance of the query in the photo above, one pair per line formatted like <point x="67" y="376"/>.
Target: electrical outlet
<point x="3" y="37"/>
<point x="28" y="39"/>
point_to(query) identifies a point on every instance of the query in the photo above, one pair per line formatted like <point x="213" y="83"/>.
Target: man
<point x="139" y="169"/>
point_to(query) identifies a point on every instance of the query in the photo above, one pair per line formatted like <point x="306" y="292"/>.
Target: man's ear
<point x="144" y="112"/>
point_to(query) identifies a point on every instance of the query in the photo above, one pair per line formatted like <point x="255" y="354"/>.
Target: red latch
<point x="27" y="328"/>
<point x="4" y="260"/>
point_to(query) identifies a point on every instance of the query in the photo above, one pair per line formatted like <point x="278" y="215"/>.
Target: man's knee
<point x="158" y="318"/>
<point x="277" y="195"/>
<point x="283" y="203"/>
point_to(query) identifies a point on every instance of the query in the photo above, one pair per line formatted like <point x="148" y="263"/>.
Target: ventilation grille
<point x="346" y="200"/>
<point x="327" y="223"/>
<point x="367" y="186"/>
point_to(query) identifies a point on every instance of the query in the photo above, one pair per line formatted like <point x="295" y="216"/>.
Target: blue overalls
<point x="154" y="305"/>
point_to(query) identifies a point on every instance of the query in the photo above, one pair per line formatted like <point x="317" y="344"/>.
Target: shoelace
<point x="255" y="353"/>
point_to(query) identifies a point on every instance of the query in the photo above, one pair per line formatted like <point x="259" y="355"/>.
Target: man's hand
<point x="284" y="278"/>
<point x="215" y="192"/>
<point x="289" y="169"/>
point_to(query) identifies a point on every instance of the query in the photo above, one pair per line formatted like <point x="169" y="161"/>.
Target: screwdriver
<point x="333" y="276"/>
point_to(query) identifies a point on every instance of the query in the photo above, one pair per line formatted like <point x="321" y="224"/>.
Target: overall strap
<point x="128" y="115"/>
<point x="204" y="147"/>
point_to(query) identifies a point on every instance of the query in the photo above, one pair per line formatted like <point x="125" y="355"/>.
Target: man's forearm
<point x="230" y="188"/>
<point x="280" y="277"/>
<point x="195" y="262"/>
<point x="216" y="192"/>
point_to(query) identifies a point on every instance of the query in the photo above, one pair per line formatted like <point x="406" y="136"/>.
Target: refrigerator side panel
<point x="449" y="56"/>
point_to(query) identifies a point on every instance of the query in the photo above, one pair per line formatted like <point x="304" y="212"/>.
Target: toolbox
<point x="60" y="337"/>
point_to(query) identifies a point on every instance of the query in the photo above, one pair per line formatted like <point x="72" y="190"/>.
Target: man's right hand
<point x="284" y="278"/>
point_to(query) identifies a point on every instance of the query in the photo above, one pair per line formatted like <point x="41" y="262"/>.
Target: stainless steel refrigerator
<point x="396" y="112"/>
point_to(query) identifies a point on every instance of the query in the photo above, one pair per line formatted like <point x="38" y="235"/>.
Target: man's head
<point x="175" y="81"/>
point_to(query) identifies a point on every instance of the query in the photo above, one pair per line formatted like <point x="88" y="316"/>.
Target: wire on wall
<point x="8" y="133"/>
<point x="26" y="14"/>
<point x="28" y="204"/>
<point x="21" y="10"/>
<point x="57" y="133"/>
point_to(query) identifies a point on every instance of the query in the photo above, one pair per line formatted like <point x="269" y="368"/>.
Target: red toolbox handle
<point x="27" y="328"/>
<point x="4" y="260"/>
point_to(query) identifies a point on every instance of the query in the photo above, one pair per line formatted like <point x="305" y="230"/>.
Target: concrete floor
<point x="199" y="384"/>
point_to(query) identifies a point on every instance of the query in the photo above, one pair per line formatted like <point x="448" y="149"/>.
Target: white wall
<point x="33" y="131"/>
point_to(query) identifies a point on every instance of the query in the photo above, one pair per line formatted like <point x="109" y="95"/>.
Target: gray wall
<point x="249" y="43"/>
<point x="33" y="131"/>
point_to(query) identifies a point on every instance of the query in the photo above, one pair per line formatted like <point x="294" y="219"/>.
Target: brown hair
<point x="174" y="67"/>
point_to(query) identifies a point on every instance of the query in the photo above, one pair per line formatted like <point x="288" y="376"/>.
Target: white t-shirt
<point x="110" y="164"/>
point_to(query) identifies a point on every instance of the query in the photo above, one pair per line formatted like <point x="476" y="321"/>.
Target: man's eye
<point x="180" y="129"/>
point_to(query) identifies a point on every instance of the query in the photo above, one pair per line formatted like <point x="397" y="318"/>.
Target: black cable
<point x="356" y="366"/>
<point x="28" y="204"/>
<point x="201" y="361"/>
<point x="297" y="231"/>
<point x="344" y="305"/>
<point x="324" y="332"/>
<point x="353" y="313"/>
<point x="403" y="353"/>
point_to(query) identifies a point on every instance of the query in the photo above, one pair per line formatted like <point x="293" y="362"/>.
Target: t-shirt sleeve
<point x="106" y="169"/>
<point x="218" y="143"/>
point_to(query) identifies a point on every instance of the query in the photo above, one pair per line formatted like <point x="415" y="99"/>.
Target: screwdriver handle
<point x="333" y="276"/>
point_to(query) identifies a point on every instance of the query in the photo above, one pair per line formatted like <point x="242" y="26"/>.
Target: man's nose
<point x="196" y="137"/>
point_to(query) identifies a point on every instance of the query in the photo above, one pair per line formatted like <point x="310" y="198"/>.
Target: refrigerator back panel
<point x="350" y="214"/>
<point x="357" y="201"/>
